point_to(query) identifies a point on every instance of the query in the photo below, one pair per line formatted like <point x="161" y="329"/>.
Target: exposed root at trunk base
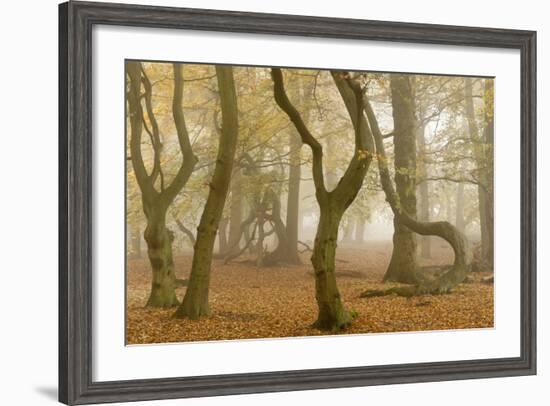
<point x="162" y="301"/>
<point x="334" y="325"/>
<point x="456" y="239"/>
<point x="446" y="281"/>
<point x="191" y="312"/>
<point x="442" y="284"/>
<point x="412" y="278"/>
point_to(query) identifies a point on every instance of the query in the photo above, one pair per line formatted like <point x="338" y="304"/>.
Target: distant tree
<point x="423" y="192"/>
<point x="483" y="149"/>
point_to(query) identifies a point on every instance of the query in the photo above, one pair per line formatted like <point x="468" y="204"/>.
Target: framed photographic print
<point x="259" y="202"/>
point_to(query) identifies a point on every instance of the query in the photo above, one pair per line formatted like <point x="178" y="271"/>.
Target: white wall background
<point x="28" y="202"/>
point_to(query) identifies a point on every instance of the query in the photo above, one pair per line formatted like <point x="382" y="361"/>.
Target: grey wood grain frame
<point x="76" y="20"/>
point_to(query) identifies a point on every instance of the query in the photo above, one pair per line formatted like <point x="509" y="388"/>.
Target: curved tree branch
<point x="185" y="230"/>
<point x="135" y="112"/>
<point x="154" y="132"/>
<point x="189" y="159"/>
<point x="307" y="138"/>
<point x="443" y="229"/>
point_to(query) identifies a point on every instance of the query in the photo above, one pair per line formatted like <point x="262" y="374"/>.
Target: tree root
<point x="343" y="322"/>
<point x="456" y="239"/>
<point x="442" y="284"/>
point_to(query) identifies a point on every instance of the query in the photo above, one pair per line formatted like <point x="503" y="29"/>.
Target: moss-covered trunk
<point x="159" y="249"/>
<point x="156" y="202"/>
<point x="195" y="302"/>
<point x="333" y="204"/>
<point x="452" y="277"/>
<point x="443" y="229"/>
<point x="403" y="263"/>
<point x="332" y="315"/>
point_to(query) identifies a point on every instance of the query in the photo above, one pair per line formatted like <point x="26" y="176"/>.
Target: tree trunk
<point x="348" y="231"/>
<point x="222" y="237"/>
<point x="331" y="315"/>
<point x="235" y="218"/>
<point x="159" y="249"/>
<point x="443" y="229"/>
<point x="285" y="252"/>
<point x="448" y="206"/>
<point x="331" y="170"/>
<point x="423" y="192"/>
<point x="248" y="237"/>
<point x="489" y="179"/>
<point x="333" y="204"/>
<point x="155" y="203"/>
<point x="135" y="237"/>
<point x="261" y="237"/>
<point x="360" y="230"/>
<point x="195" y="302"/>
<point x="484" y="158"/>
<point x="488" y="151"/>
<point x="452" y="277"/>
<point x="403" y="263"/>
<point x="188" y="233"/>
<point x="293" y="199"/>
<point x="459" y="220"/>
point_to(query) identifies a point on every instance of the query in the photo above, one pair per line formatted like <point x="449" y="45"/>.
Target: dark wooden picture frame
<point x="76" y="20"/>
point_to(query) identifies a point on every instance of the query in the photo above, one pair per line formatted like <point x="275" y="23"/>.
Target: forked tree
<point x="331" y="313"/>
<point x="156" y="196"/>
<point x="195" y="303"/>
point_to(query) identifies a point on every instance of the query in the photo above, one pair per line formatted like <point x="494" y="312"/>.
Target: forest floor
<point x="251" y="302"/>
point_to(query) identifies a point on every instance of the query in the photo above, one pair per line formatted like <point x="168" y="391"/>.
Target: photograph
<point x="268" y="202"/>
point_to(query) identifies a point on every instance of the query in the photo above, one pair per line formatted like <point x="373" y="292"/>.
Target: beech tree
<point x="423" y="193"/>
<point x="294" y="180"/>
<point x="156" y="196"/>
<point x="458" y="241"/>
<point x="331" y="313"/>
<point x="195" y="302"/>
<point x="281" y="172"/>
<point x="403" y="263"/>
<point x="483" y="147"/>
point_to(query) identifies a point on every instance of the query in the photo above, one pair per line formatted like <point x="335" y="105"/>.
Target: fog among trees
<point x="271" y="202"/>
